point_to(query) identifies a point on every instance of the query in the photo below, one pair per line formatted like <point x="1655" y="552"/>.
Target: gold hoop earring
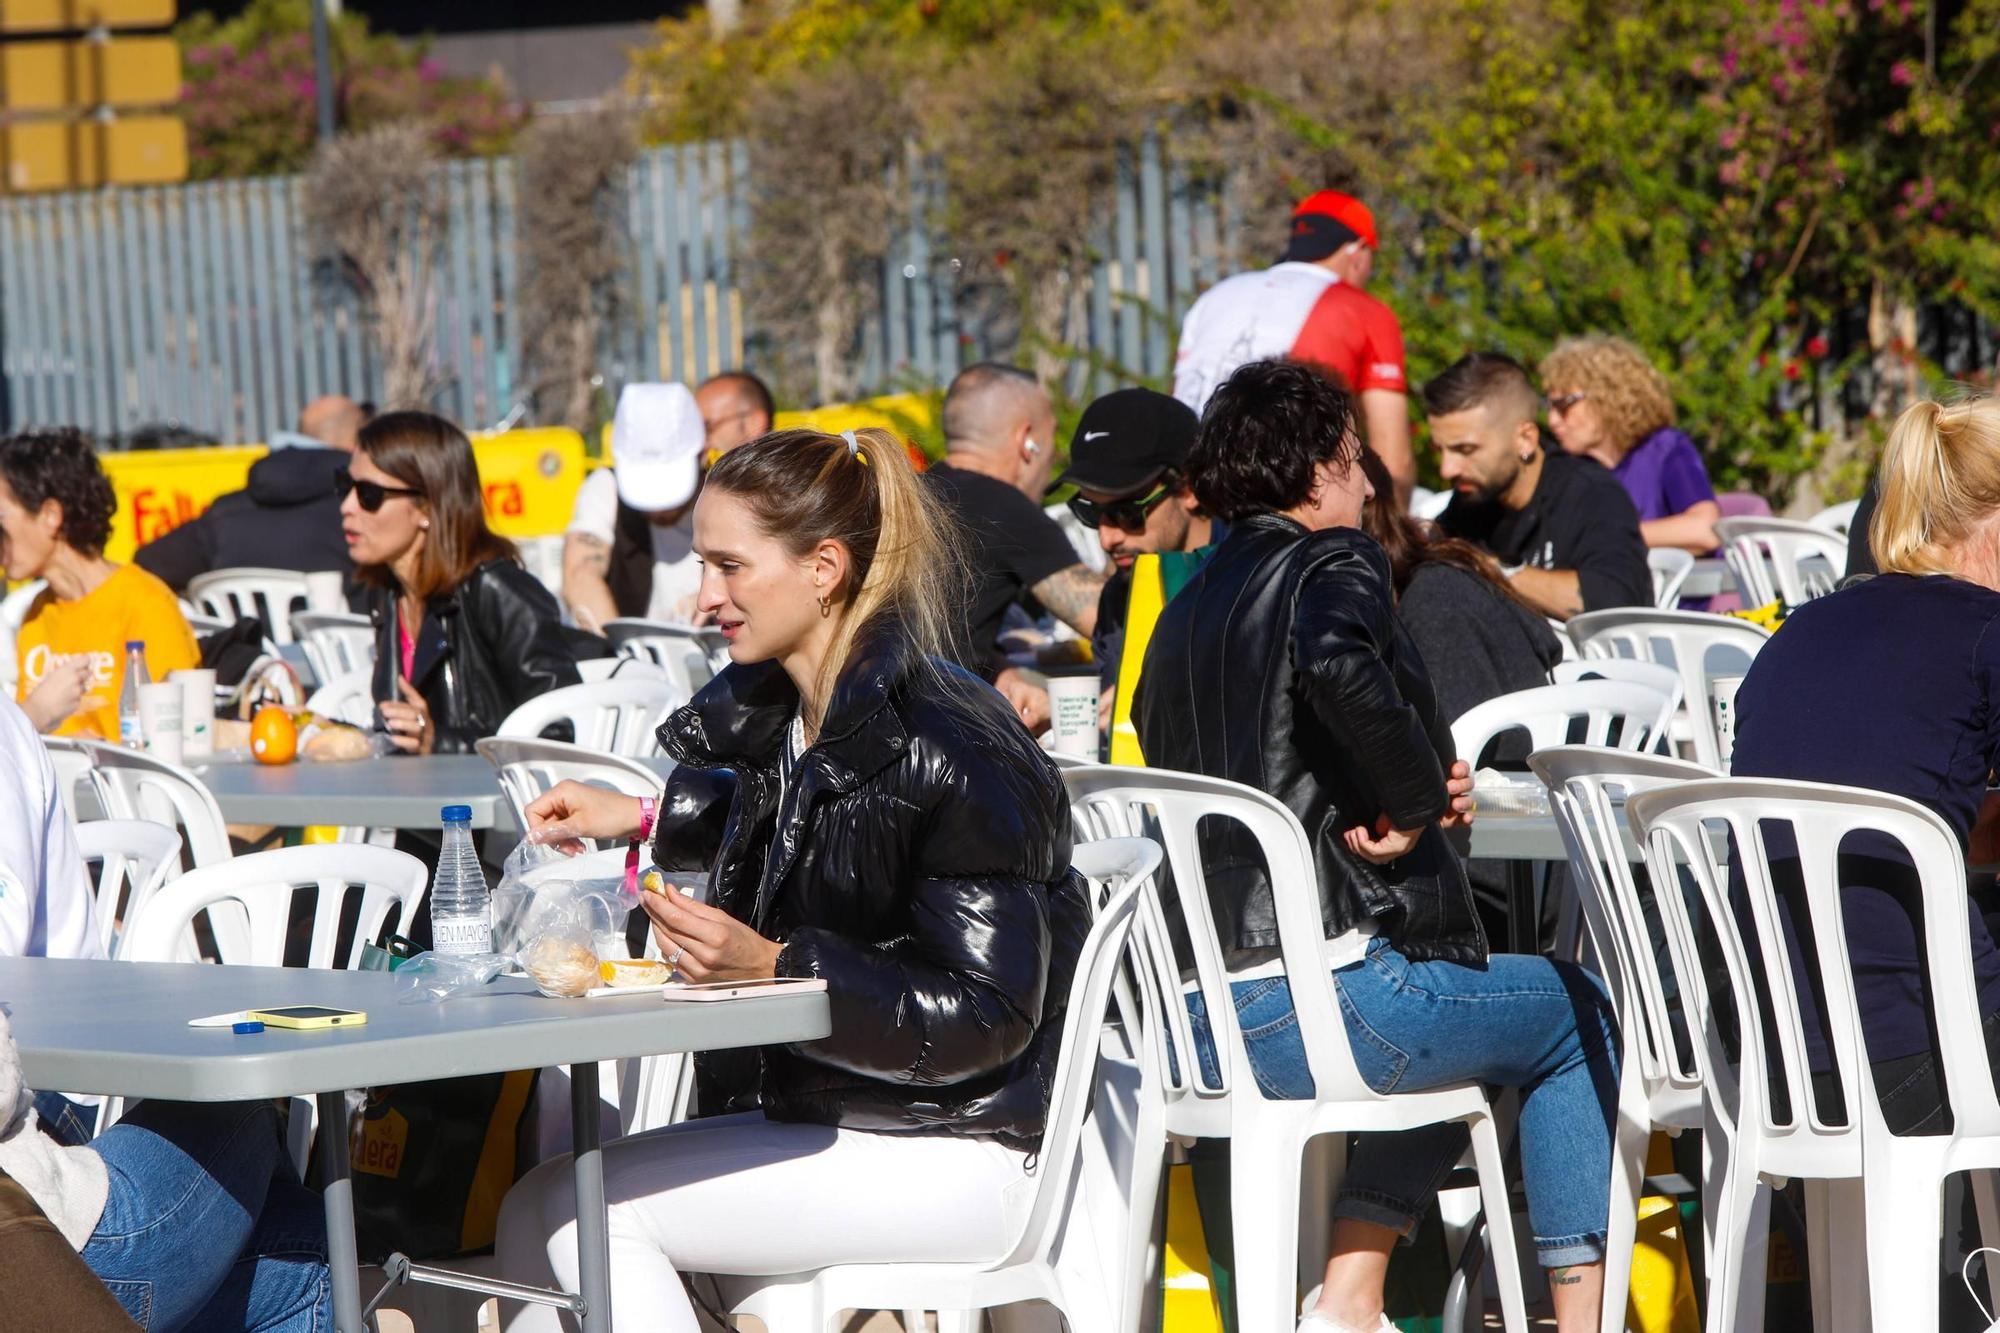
<point x="825" y="607"/>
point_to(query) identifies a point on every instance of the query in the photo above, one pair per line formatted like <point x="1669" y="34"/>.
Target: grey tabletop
<point x="120" y="1028"/>
<point x="397" y="791"/>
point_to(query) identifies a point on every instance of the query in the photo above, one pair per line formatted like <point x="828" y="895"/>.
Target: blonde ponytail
<point x="1940" y="479"/>
<point x="859" y="488"/>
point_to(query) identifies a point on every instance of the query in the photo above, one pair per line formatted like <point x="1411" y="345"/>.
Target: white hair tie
<point x="854" y="447"/>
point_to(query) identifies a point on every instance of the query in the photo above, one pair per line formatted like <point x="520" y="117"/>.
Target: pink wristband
<point x="647" y="807"/>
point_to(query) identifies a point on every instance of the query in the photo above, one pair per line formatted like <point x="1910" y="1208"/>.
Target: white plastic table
<point x="120" y="1029"/>
<point x="395" y="791"/>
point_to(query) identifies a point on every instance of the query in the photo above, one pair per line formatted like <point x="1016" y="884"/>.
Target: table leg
<point x="593" y="1252"/>
<point x="339" y="1193"/>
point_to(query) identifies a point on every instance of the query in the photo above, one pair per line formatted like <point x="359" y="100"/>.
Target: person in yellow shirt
<point x="56" y="507"/>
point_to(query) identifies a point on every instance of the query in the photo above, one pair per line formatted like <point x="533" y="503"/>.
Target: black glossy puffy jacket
<point x="484" y="649"/>
<point x="1281" y="665"/>
<point x="919" y="863"/>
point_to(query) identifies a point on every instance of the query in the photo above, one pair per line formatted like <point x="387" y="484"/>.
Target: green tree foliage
<point x="250" y="97"/>
<point x="1725" y="182"/>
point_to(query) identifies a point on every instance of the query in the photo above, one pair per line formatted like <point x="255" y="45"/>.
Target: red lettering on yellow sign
<point x="155" y="514"/>
<point x="504" y="500"/>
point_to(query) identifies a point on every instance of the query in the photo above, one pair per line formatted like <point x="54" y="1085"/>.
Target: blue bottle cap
<point x="457" y="814"/>
<point x="247" y="1027"/>
<point x="131" y="644"/>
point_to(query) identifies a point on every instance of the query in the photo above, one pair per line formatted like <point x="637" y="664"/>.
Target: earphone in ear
<point x="1031" y="447"/>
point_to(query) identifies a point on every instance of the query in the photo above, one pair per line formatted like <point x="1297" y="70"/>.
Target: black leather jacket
<point x="918" y="861"/>
<point x="484" y="649"/>
<point x="1282" y="666"/>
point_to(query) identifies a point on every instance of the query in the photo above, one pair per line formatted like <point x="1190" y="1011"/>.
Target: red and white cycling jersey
<point x="1289" y="309"/>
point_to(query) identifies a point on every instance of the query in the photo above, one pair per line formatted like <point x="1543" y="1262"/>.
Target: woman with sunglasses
<point x="464" y="634"/>
<point x="1608" y="403"/>
<point x="56" y="508"/>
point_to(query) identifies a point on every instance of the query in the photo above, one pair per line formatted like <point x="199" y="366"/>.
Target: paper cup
<point x="160" y="720"/>
<point x="326" y="591"/>
<point x="197" y="712"/>
<point x="1722" y="689"/>
<point x="1073" y="715"/>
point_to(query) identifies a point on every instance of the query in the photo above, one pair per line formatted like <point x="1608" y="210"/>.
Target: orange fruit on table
<point x="274" y="737"/>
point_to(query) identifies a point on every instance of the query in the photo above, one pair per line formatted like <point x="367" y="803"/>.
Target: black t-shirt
<point x="1579" y="518"/>
<point x="1011" y="545"/>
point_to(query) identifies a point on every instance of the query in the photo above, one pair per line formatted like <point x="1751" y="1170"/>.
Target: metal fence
<point x="203" y="307"/>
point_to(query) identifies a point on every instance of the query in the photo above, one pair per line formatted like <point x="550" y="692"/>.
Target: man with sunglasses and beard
<point x="1126" y="462"/>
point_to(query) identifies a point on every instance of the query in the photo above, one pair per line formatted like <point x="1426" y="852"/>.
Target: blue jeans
<point x="68" y="1123"/>
<point x="1514" y="1021"/>
<point x="206" y="1227"/>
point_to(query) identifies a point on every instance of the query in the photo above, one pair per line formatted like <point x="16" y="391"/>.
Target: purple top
<point x="1663" y="475"/>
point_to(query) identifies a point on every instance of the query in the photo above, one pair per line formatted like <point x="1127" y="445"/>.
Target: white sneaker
<point x="1319" y="1323"/>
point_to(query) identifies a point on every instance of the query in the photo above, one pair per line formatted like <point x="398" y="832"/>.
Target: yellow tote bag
<point x="1142" y="613"/>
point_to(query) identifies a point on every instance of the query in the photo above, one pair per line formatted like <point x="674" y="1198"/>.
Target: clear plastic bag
<point x="433" y="978"/>
<point x="560" y="916"/>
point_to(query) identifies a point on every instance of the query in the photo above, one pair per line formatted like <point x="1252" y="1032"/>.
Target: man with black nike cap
<point x="1311" y="306"/>
<point x="1125" y="461"/>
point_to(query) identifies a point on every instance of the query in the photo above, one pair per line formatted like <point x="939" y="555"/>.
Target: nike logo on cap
<point x="1090" y="435"/>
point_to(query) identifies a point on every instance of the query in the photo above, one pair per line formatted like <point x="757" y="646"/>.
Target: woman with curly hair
<point x="1607" y="402"/>
<point x="56" y="507"/>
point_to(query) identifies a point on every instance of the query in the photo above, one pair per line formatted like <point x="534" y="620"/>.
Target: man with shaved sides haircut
<point x="1000" y="431"/>
<point x="736" y="408"/>
<point x="1560" y="524"/>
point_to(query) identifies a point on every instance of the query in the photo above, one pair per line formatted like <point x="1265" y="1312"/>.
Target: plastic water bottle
<point x="131" y="733"/>
<point x="461" y="911"/>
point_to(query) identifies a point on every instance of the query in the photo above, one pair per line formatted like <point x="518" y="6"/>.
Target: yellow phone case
<point x="346" y="1018"/>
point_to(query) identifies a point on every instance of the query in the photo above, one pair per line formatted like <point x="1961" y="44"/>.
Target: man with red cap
<point x="1313" y="305"/>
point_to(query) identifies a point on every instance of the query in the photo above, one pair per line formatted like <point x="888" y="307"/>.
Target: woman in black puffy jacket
<point x="872" y="816"/>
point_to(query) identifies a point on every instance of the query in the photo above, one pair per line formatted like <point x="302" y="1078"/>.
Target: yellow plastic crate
<point x="45" y="155"/>
<point x="143" y="150"/>
<point x="126" y="72"/>
<point x="37" y="76"/>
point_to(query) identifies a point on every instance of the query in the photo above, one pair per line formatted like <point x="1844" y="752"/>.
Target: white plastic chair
<point x="690" y="654"/>
<point x="335" y="642"/>
<point x="1659" y="1089"/>
<point x="1698" y="645"/>
<point x="134" y="785"/>
<point x="1837" y="519"/>
<point x="596" y="670"/>
<point x="231" y="595"/>
<point x="617" y="716"/>
<point x="527" y="768"/>
<point x="348" y="697"/>
<point x="1671" y="567"/>
<point x="1874" y="1198"/>
<point x="1662" y="679"/>
<point x="1776" y="559"/>
<point x="76" y="770"/>
<point x="1623" y="713"/>
<point x="1032" y="1270"/>
<point x="1279" y="1249"/>
<point x="133" y="859"/>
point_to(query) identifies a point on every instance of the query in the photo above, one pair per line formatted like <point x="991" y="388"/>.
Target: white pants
<point x="744" y="1195"/>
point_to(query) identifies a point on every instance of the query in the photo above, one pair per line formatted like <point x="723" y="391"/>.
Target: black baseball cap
<point x="1126" y="439"/>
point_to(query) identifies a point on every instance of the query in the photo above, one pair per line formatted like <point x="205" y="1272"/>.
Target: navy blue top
<point x="1892" y="684"/>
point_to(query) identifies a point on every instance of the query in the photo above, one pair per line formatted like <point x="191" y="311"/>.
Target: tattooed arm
<point x="586" y="591"/>
<point x="1071" y="597"/>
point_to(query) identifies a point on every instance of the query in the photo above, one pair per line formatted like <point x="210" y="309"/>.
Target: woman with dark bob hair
<point x="464" y="634"/>
<point x="1288" y="635"/>
<point x="872" y="816"/>
<point x="56" y="507"/>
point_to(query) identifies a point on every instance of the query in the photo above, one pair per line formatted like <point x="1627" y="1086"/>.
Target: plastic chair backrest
<point x="349" y="697"/>
<point x="1662" y="679"/>
<point x="1170" y="807"/>
<point x="334" y="642"/>
<point x="597" y="670"/>
<point x="1618" y="713"/>
<point x="1671" y="567"/>
<point x="1586" y="784"/>
<point x="527" y="768"/>
<point x="269" y="595"/>
<point x="1689" y="641"/>
<point x="1775" y="559"/>
<point x="133" y="859"/>
<point x="139" y="786"/>
<point x="76" y="767"/>
<point x="1097" y="967"/>
<point x="1676" y="823"/>
<point x="1837" y="519"/>
<point x="617" y="716"/>
<point x="690" y="653"/>
<point x="263" y="885"/>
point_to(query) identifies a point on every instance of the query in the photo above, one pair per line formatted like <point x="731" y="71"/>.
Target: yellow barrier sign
<point x="529" y="478"/>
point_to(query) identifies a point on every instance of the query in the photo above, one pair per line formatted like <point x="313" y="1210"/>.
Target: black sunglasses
<point x="371" y="494"/>
<point x="1126" y="515"/>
